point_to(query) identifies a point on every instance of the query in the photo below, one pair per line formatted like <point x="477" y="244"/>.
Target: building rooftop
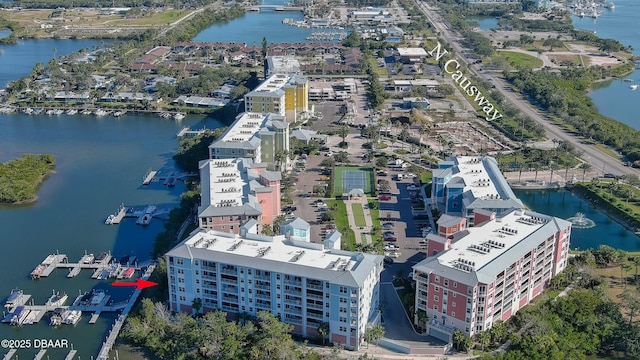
<point x="277" y="254"/>
<point x="487" y="249"/>
<point x="416" y="51"/>
<point x="483" y="183"/>
<point x="283" y="64"/>
<point x="274" y="84"/>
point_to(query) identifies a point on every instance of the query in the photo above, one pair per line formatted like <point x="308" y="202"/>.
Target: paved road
<point x="591" y="154"/>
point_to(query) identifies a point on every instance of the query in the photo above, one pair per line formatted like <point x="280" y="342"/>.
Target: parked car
<point x="382" y="173"/>
<point x="412" y="187"/>
<point x="388" y="233"/>
<point x="385" y="197"/>
<point x="388" y="260"/>
<point x="390" y="238"/>
<point x="389" y="247"/>
<point x="388" y="224"/>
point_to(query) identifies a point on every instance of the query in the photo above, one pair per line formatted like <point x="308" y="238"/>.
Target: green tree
<point x="461" y="341"/>
<point x="196" y="305"/>
<point x="483" y="338"/>
<point x="374" y="334"/>
<point x="323" y="330"/>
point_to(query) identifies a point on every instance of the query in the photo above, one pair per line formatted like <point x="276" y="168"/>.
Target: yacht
<point x="58" y="112"/>
<point x="57" y="299"/>
<point x="72" y="112"/>
<point x="57" y="317"/>
<point x="86" y="112"/>
<point x="28" y="111"/>
<point x="16" y="298"/>
<point x="100" y="112"/>
<point x="72" y="317"/>
<point x="178" y="116"/>
<point x="633" y="87"/>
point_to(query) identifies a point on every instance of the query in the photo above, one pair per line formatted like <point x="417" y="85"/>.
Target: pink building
<point x="476" y="276"/>
<point x="235" y="191"/>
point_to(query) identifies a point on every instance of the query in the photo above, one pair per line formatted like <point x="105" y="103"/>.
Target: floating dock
<point x="148" y="178"/>
<point x="40" y="354"/>
<point x="10" y="354"/>
<point x="55" y="261"/>
<point x="115" y="219"/>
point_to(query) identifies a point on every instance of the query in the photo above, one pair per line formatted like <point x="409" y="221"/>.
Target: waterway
<point x="485" y="22"/>
<point x="100" y="164"/>
<point x="564" y="204"/>
<point x="253" y="26"/>
<point x="17" y="60"/>
<point x="614" y="98"/>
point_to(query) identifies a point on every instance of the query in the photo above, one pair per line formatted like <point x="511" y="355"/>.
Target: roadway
<point x="591" y="154"/>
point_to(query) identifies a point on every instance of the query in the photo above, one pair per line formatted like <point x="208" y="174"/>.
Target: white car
<point x="390" y="247"/>
<point x="412" y="187"/>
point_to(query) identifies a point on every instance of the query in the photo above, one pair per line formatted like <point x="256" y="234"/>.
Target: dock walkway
<point x="115" y="330"/>
<point x="40" y="354"/>
<point x="55" y="261"/>
<point x="10" y="354"/>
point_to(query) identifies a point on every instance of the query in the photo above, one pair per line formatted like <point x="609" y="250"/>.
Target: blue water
<point x="100" y="164"/>
<point x="564" y="204"/>
<point x="17" y="60"/>
<point x="4" y="33"/>
<point x="614" y="98"/>
<point x="486" y="22"/>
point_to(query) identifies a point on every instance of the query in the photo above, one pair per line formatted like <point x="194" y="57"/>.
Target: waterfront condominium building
<point x="259" y="137"/>
<point x="304" y="284"/>
<point x="286" y="95"/>
<point x="236" y="191"/>
<point x="461" y="185"/>
<point x="488" y="272"/>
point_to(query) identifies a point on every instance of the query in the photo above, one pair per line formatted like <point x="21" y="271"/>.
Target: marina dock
<point x="10" y="354"/>
<point x="55" y="261"/>
<point x="148" y="178"/>
<point x="115" y="219"/>
<point x="40" y="354"/>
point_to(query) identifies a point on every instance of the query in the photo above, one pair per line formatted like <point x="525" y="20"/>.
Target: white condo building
<point x="304" y="284"/>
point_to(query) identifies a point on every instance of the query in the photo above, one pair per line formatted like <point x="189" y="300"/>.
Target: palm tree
<point x="323" y="330"/>
<point x="196" y="305"/>
<point x="483" y="338"/>
<point x="343" y="132"/>
<point x="585" y="167"/>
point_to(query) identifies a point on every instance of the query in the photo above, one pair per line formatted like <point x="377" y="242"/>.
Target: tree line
<point x="19" y="178"/>
<point x="563" y="95"/>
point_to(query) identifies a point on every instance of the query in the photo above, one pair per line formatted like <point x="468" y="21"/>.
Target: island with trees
<point x="20" y="178"/>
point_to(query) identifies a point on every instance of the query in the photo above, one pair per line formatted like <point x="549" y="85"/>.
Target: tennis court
<point x="347" y="179"/>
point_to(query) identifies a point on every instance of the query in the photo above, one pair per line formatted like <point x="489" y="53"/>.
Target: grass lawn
<point x="338" y="171"/>
<point x="375" y="219"/>
<point x="342" y="223"/>
<point x="358" y="214"/>
<point x="517" y="59"/>
<point x="381" y="71"/>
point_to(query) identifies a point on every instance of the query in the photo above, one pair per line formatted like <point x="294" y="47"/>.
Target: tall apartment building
<point x="286" y="95"/>
<point x="304" y="284"/>
<point x="488" y="272"/>
<point x="258" y="137"/>
<point x="461" y="185"/>
<point x="236" y="191"/>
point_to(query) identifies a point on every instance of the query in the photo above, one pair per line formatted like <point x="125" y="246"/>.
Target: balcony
<point x="262" y="287"/>
<point x="229" y="271"/>
<point x="314" y="297"/>
<point x="314" y="287"/>
<point x="291" y="282"/>
<point x="315" y="306"/>
<point x="293" y="311"/>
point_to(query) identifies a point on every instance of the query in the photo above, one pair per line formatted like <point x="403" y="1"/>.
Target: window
<point x="180" y="261"/>
<point x="454" y="294"/>
<point x="435" y="307"/>
<point x="436" y="298"/>
<point x="436" y="288"/>
<point x="343" y="319"/>
<point x="343" y="329"/>
<point x="453" y="304"/>
<point x="180" y="271"/>
<point x="437" y="279"/>
<point x="181" y="289"/>
<point x="455" y="284"/>
<point x="446" y="282"/>
<point x="343" y="300"/>
<point x="343" y="289"/>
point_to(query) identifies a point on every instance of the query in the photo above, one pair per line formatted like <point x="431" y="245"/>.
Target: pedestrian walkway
<point x="362" y="233"/>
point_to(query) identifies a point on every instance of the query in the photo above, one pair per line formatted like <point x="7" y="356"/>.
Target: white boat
<point x="55" y="320"/>
<point x="19" y="315"/>
<point x="86" y="112"/>
<point x="50" y="112"/>
<point x="16" y="298"/>
<point x="31" y="318"/>
<point x="57" y="299"/>
<point x="100" y="112"/>
<point x="72" y="112"/>
<point x="72" y="317"/>
<point x="178" y="116"/>
<point x="58" y="112"/>
<point x="28" y="111"/>
<point x="633" y="87"/>
<point x="109" y="219"/>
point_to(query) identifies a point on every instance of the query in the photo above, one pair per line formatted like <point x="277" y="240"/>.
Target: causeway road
<point x="598" y="159"/>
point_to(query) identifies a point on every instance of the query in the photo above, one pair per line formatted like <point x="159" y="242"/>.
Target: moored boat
<point x="57" y="299"/>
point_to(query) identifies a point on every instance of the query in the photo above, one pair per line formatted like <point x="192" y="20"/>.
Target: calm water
<point x="17" y="60"/>
<point x="253" y="26"/>
<point x="486" y="22"/>
<point x="100" y="164"/>
<point x="614" y="98"/>
<point x="564" y="204"/>
<point x="4" y="33"/>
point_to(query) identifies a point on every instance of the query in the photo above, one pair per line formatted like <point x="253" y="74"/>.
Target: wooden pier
<point x="115" y="219"/>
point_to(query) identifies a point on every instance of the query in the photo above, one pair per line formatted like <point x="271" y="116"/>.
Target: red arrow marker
<point x="139" y="283"/>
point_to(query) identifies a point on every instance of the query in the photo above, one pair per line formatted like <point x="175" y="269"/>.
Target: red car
<point x="390" y="238"/>
<point x="385" y="197"/>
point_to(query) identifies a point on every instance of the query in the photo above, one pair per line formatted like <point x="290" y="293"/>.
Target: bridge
<point x="275" y="7"/>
